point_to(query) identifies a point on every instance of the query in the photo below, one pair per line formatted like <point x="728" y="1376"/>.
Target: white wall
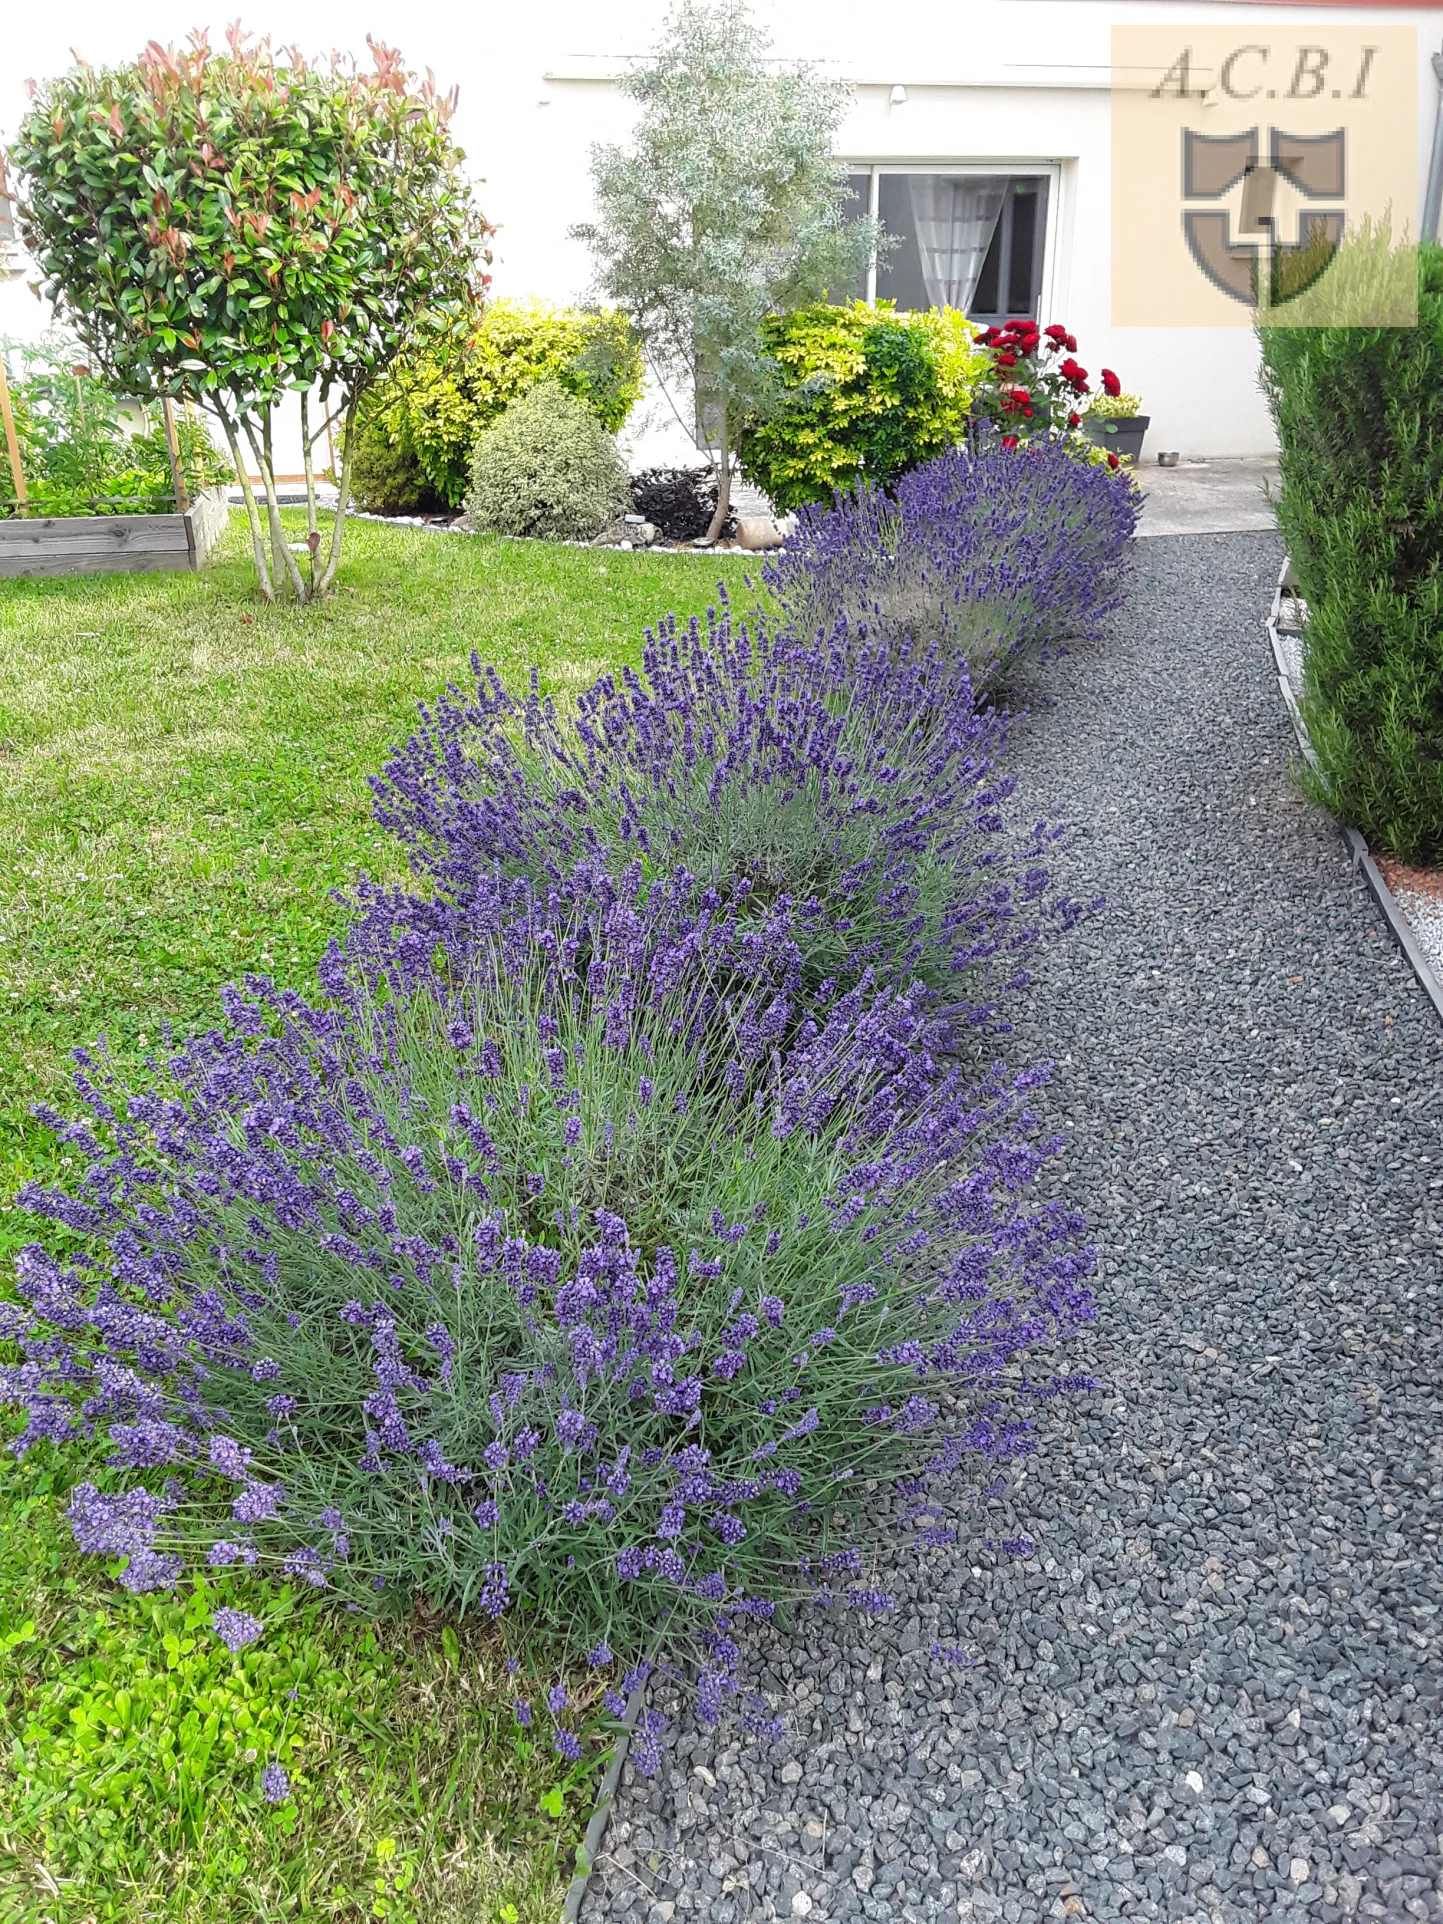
<point x="1003" y="79"/>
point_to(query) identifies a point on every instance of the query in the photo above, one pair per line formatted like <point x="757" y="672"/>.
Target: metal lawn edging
<point x="1388" y="902"/>
<point x="590" y="1847"/>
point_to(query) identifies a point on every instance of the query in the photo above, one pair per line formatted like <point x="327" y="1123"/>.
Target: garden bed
<point x="94" y="544"/>
<point x="183" y="787"/>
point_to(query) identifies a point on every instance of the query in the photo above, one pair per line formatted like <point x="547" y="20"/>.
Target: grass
<point x="182" y="786"/>
<point x="135" y="1744"/>
<point x="183" y="770"/>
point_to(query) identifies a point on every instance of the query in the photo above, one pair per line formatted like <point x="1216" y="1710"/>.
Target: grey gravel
<point x="1214" y="1691"/>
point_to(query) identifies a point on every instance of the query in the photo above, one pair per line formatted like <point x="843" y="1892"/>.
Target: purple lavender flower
<point x="236" y="1628"/>
<point x="275" y="1784"/>
<point x="991" y="549"/>
<point x="638" y="1488"/>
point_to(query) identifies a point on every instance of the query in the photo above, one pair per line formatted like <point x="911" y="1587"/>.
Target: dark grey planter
<point x="1120" y="434"/>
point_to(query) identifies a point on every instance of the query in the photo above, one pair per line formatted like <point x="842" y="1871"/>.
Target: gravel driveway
<point x="1214" y="1691"/>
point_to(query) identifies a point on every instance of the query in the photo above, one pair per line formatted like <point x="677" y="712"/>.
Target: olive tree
<point x="235" y="226"/>
<point x="727" y="205"/>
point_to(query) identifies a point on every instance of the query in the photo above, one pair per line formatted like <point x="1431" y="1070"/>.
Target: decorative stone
<point x="759" y="531"/>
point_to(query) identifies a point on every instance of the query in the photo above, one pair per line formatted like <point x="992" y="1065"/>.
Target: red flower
<point x="1057" y="332"/>
<point x="990" y="336"/>
<point x="1071" y="344"/>
<point x="1009" y="440"/>
<point x="1006" y="360"/>
<point x="1110" y="382"/>
<point x="1028" y="412"/>
<point x="1112" y="461"/>
<point x="1073" y="419"/>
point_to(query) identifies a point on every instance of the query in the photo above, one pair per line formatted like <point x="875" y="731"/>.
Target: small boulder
<point x="759" y="531"/>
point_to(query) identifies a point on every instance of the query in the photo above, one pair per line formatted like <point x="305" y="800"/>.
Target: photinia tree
<point x="235" y="226"/>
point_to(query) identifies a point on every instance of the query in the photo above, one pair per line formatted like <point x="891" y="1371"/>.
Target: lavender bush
<point x="980" y="551"/>
<point x="854" y="788"/>
<point x="531" y="1296"/>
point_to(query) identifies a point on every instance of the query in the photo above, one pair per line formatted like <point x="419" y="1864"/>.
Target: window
<point x="964" y="238"/>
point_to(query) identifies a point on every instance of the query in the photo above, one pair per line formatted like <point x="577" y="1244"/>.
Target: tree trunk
<point x="258" y="544"/>
<point x="723" y="480"/>
<point x="313" y="537"/>
<point x="284" y="560"/>
<point x="343" y="497"/>
<point x="309" y="466"/>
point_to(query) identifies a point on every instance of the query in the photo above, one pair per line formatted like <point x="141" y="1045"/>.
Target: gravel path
<point x="1214" y="1692"/>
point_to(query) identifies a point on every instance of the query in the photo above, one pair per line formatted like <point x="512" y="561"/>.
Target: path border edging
<point x="589" y="1848"/>
<point x="1388" y="902"/>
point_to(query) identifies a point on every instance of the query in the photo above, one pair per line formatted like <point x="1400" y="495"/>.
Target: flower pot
<point x="1120" y="434"/>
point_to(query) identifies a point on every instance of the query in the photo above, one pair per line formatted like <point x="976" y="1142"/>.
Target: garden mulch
<point x="1213" y="1692"/>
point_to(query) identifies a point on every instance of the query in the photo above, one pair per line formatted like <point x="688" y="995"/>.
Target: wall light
<point x="899" y="96"/>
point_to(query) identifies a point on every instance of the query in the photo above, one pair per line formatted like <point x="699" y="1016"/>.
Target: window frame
<point x="1050" y="170"/>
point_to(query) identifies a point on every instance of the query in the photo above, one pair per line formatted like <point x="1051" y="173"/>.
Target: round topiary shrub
<point x="547" y="468"/>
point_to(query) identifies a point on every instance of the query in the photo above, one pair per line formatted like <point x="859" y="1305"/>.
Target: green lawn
<point x="182" y="784"/>
<point x="183" y="770"/>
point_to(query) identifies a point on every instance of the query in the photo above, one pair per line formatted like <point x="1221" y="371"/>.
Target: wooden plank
<point x="47" y="566"/>
<point x="118" y="527"/>
<point x="13" y="558"/>
<point x="207" y="519"/>
<point x="94" y="540"/>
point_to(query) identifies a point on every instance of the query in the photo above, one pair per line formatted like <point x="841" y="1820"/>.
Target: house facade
<point x="980" y="133"/>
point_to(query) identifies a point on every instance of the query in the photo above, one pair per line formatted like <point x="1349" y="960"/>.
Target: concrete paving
<point x="1208" y="497"/>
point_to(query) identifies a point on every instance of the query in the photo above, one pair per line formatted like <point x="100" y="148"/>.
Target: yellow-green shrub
<point x="869" y="391"/>
<point x="434" y="407"/>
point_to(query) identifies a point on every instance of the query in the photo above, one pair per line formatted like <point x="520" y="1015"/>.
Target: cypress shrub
<point x="1359" y="413"/>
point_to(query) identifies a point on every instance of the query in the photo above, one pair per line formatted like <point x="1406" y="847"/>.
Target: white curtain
<point x="955" y="222"/>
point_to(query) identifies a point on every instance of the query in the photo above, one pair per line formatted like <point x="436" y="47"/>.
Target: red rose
<point x="1110" y="382"/>
<point x="1073" y="419"/>
<point x="1057" y="332"/>
<point x="1112" y="461"/>
<point x="1071" y="344"/>
<point x="1028" y="412"/>
<point x="1009" y="440"/>
<point x="1006" y="360"/>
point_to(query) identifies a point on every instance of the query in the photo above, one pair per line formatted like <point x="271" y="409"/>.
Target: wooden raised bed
<point x="95" y="544"/>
